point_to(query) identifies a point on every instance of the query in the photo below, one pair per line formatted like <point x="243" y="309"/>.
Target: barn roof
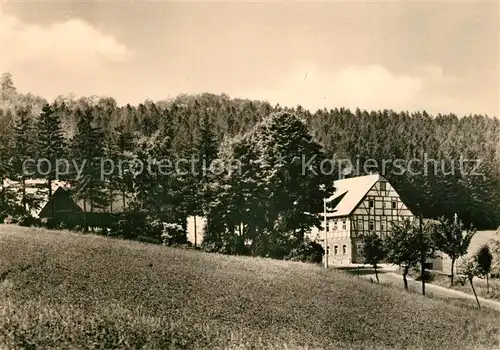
<point x="350" y="192"/>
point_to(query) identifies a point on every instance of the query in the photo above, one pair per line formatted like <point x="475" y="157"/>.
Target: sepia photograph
<point x="290" y="175"/>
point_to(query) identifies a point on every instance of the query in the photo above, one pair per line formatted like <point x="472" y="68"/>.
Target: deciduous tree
<point x="484" y="259"/>
<point x="453" y="239"/>
<point x="374" y="250"/>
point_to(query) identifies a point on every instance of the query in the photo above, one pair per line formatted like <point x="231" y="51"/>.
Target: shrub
<point x="428" y="276"/>
<point x="128" y="227"/>
<point x="50" y="223"/>
<point x="63" y="225"/>
<point x="153" y="228"/>
<point x="307" y="252"/>
<point x="27" y="221"/>
<point x="173" y="234"/>
<point x="103" y="231"/>
<point x="10" y="220"/>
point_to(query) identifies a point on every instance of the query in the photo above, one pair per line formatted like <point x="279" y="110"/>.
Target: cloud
<point x="69" y="54"/>
<point x="368" y="87"/>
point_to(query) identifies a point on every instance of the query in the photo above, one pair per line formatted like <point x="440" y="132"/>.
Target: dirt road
<point x="442" y="292"/>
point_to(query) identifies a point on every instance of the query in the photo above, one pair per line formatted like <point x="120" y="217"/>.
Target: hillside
<point x="61" y="289"/>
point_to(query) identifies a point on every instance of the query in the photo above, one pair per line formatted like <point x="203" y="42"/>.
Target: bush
<point x="102" y="231"/>
<point x="77" y="228"/>
<point x="428" y="276"/>
<point x="308" y="251"/>
<point x="9" y="220"/>
<point x="153" y="228"/>
<point x="27" y="221"/>
<point x="50" y="223"/>
<point x="63" y="226"/>
<point x="128" y="227"/>
<point x="173" y="234"/>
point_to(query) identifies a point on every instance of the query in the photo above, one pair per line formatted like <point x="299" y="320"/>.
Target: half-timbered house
<point x="360" y="204"/>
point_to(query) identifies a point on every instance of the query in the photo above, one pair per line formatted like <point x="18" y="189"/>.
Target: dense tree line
<point x="207" y="126"/>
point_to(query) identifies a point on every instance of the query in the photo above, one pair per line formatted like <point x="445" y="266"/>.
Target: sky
<point x="442" y="57"/>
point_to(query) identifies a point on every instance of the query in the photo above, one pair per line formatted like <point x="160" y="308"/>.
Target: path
<point x="395" y="279"/>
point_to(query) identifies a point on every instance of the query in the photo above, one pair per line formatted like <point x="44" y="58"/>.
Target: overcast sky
<point x="441" y="57"/>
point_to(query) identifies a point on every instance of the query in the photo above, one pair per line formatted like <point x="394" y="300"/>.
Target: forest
<point x="210" y="126"/>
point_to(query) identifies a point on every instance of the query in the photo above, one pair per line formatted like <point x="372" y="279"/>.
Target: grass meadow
<point x="66" y="290"/>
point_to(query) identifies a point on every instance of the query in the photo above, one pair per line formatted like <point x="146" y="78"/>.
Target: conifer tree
<point x="276" y="189"/>
<point x="23" y="145"/>
<point x="6" y="196"/>
<point x="199" y="176"/>
<point x="50" y="147"/>
<point x="88" y="151"/>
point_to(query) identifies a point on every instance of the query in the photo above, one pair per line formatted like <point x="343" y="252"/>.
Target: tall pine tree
<point x="88" y="151"/>
<point x="50" y="147"/>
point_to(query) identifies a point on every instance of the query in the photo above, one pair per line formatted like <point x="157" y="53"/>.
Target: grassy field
<point x="61" y="290"/>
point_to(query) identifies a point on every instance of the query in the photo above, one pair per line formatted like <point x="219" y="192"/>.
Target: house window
<point x="382" y="226"/>
<point x="343" y="225"/>
<point x="335" y="250"/>
<point x="371" y="226"/>
<point x="327" y="226"/>
<point x="328" y="250"/>
<point x="394" y="206"/>
<point x="383" y="186"/>
<point x="344" y="249"/>
<point x="370" y="203"/>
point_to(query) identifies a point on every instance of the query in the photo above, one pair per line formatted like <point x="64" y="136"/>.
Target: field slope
<point x="64" y="290"/>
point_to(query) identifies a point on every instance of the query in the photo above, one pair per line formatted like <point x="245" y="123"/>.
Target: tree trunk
<point x="452" y="270"/>
<point x="422" y="257"/>
<point x="2" y="195"/>
<point x="405" y="273"/>
<point x="25" y="204"/>
<point x="422" y="275"/>
<point x="123" y="200"/>
<point x="195" y="232"/>
<point x="111" y="199"/>
<point x="487" y="284"/>
<point x="91" y="210"/>
<point x="85" y="229"/>
<point x="376" y="272"/>
<point x="51" y="207"/>
<point x="474" y="290"/>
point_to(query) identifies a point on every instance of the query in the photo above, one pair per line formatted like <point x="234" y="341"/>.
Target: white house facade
<point x="361" y="204"/>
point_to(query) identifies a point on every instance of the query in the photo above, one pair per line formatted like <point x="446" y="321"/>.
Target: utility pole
<point x="326" y="233"/>
<point x="422" y="238"/>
